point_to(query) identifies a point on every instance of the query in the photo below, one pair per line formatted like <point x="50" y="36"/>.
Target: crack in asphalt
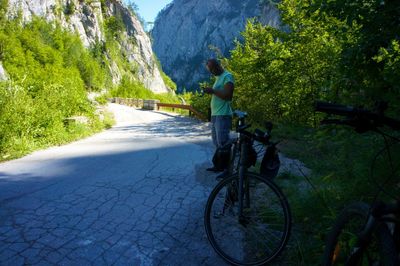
<point x="153" y="218"/>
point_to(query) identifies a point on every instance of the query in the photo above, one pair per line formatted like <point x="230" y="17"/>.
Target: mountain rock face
<point x="187" y="32"/>
<point x="3" y="73"/>
<point x="87" y="19"/>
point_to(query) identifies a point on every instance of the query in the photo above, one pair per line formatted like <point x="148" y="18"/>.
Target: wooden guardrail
<point x="138" y="103"/>
<point x="190" y="108"/>
<point x="155" y="104"/>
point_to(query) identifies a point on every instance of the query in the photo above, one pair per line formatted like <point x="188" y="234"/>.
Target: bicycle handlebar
<point x="357" y="117"/>
<point x="331" y="108"/>
<point x="240" y="114"/>
<point x="258" y="134"/>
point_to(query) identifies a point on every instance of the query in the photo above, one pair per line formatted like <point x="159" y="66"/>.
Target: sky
<point x="148" y="9"/>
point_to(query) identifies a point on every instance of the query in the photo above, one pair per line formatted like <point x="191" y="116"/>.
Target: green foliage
<point x="3" y="10"/>
<point x="50" y="72"/>
<point x="168" y="81"/>
<point x="69" y="8"/>
<point x="103" y="5"/>
<point x="132" y="6"/>
<point x="169" y="97"/>
<point x="97" y="50"/>
<point x="389" y="58"/>
<point x="334" y="50"/>
<point x="375" y="26"/>
<point x="108" y="120"/>
<point x="114" y="25"/>
<point x="91" y="71"/>
<point x="134" y="89"/>
<point x="103" y="98"/>
<point x="117" y="55"/>
<point x="201" y="102"/>
<point x="131" y="89"/>
<point x="285" y="72"/>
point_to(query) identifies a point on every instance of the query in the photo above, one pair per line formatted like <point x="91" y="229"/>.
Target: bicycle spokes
<point x="254" y="234"/>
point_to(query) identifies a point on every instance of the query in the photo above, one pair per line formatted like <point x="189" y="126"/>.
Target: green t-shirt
<point x="218" y="105"/>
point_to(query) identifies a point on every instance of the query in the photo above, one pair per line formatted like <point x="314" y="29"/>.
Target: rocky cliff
<point x="3" y="73"/>
<point x="187" y="32"/>
<point x="86" y="17"/>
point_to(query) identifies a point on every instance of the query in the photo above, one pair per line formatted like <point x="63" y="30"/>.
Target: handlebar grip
<point x="331" y="108"/>
<point x="393" y="123"/>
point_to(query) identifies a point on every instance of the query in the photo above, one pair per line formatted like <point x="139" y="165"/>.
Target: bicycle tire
<point x="343" y="236"/>
<point x="268" y="217"/>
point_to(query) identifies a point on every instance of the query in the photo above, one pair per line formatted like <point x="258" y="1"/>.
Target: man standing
<point x="221" y="110"/>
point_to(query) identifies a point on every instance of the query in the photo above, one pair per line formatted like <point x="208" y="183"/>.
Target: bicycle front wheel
<point x="342" y="244"/>
<point x="260" y="234"/>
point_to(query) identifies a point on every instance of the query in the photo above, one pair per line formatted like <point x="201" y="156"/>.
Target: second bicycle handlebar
<point x="374" y="119"/>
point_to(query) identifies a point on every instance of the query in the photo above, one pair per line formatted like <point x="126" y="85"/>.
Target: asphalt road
<point x="131" y="195"/>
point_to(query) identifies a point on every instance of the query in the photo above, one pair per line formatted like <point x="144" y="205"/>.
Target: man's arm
<point x="225" y="94"/>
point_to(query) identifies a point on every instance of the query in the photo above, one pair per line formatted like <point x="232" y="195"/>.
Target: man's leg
<point x="222" y="129"/>
<point x="213" y="131"/>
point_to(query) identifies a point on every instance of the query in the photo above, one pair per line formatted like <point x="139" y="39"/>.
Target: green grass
<point x="340" y="161"/>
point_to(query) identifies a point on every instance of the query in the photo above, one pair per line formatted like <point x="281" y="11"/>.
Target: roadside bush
<point x="50" y="73"/>
<point x="201" y="102"/>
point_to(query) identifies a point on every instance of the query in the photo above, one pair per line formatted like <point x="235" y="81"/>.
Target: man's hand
<point x="208" y="90"/>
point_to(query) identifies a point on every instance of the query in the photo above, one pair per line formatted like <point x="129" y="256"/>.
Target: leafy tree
<point x="284" y="71"/>
<point x="3" y="10"/>
<point x="345" y="51"/>
<point x="377" y="25"/>
<point x="50" y="72"/>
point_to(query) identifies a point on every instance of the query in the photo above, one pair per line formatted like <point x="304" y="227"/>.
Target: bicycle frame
<point x="242" y="145"/>
<point x="247" y="202"/>
<point x="363" y="241"/>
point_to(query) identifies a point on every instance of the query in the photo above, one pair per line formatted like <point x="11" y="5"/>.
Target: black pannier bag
<point x="270" y="163"/>
<point x="222" y="157"/>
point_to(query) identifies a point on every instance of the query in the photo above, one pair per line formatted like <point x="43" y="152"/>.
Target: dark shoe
<point x="214" y="169"/>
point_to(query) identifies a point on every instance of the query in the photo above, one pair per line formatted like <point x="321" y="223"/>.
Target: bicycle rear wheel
<point x="268" y="221"/>
<point x="342" y="241"/>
